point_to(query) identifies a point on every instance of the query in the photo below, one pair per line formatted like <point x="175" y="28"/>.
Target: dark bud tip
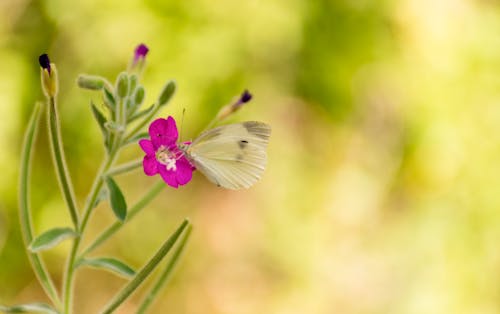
<point x="141" y="51"/>
<point x="44" y="61"/>
<point x="246" y="96"/>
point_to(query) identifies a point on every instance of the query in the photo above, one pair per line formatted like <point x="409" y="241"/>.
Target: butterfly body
<point x="232" y="156"/>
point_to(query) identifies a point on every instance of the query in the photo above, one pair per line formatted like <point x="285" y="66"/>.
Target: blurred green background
<point x="381" y="191"/>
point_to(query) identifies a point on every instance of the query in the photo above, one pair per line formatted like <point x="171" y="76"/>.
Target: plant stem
<point x="94" y="192"/>
<point x="146" y="270"/>
<point x="60" y="161"/>
<point x="144" y="121"/>
<point x="165" y="275"/>
<point x="25" y="212"/>
<point x="125" y="167"/>
<point x="134" y="210"/>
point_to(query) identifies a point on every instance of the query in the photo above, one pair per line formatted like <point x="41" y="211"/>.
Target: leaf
<point x="109" y="99"/>
<point x="166" y="273"/>
<point x="145" y="271"/>
<point x="29" y="308"/>
<point x="100" y="118"/>
<point x="110" y="264"/>
<point x="101" y="121"/>
<point x="116" y="199"/>
<point x="51" y="238"/>
<point x="141" y="113"/>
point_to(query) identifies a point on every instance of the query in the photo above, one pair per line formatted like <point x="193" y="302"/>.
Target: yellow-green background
<point x="382" y="190"/>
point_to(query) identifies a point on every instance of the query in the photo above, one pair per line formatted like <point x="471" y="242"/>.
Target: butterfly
<point x="232" y="156"/>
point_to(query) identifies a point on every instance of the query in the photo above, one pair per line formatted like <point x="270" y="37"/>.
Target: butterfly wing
<point x="232" y="156"/>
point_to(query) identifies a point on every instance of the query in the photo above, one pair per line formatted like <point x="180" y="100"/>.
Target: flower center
<point x="165" y="157"/>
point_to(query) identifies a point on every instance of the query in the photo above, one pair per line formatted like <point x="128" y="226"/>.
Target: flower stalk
<point x="60" y="161"/>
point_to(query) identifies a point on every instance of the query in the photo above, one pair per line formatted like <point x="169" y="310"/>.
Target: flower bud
<point x="232" y="108"/>
<point x="139" y="95"/>
<point x="167" y="93"/>
<point x="133" y="83"/>
<point x="139" y="58"/>
<point x="48" y="76"/>
<point x="122" y="85"/>
<point x="90" y="82"/>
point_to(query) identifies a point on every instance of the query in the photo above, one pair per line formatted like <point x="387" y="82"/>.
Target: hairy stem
<point x="94" y="193"/>
<point x="126" y="167"/>
<point x="134" y="210"/>
<point x="141" y="124"/>
<point x="60" y="161"/>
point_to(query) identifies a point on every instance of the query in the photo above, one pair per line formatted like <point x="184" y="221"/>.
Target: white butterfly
<point x="232" y="156"/>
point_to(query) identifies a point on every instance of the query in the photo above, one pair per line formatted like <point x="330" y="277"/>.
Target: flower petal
<point x="184" y="171"/>
<point x="150" y="165"/>
<point x="147" y="146"/>
<point x="163" y="132"/>
<point x="169" y="176"/>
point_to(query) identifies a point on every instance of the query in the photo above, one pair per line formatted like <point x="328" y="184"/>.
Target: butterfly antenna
<point x="182" y="122"/>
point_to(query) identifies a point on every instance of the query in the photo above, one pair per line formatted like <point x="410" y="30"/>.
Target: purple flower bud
<point x="140" y="52"/>
<point x="44" y="62"/>
<point x="245" y="97"/>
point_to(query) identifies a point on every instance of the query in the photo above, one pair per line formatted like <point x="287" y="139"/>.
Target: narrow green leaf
<point x="141" y="113"/>
<point x="166" y="273"/>
<point x="110" y="264"/>
<point x="25" y="209"/>
<point x="116" y="199"/>
<point x="29" y="308"/>
<point x="100" y="118"/>
<point x="109" y="98"/>
<point x="146" y="270"/>
<point x="101" y="121"/>
<point x="51" y="238"/>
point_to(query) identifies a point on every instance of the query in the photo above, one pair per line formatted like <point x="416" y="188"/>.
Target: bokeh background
<point x="381" y="193"/>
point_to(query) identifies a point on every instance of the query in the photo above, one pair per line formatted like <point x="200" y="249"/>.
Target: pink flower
<point x="163" y="156"/>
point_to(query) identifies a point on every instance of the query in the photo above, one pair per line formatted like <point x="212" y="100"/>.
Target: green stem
<point x="146" y="270"/>
<point x="134" y="210"/>
<point x="25" y="212"/>
<point x="125" y="167"/>
<point x="165" y="275"/>
<point x="60" y="161"/>
<point x="94" y="193"/>
<point x="143" y="122"/>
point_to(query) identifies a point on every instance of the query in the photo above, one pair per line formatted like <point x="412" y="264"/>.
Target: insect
<point x="232" y="156"/>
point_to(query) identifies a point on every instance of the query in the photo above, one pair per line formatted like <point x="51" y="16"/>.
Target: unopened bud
<point x="133" y="83"/>
<point x="139" y="58"/>
<point x="90" y="82"/>
<point x="167" y="93"/>
<point x="232" y="108"/>
<point x="122" y="85"/>
<point x="48" y="76"/>
<point x="139" y="95"/>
